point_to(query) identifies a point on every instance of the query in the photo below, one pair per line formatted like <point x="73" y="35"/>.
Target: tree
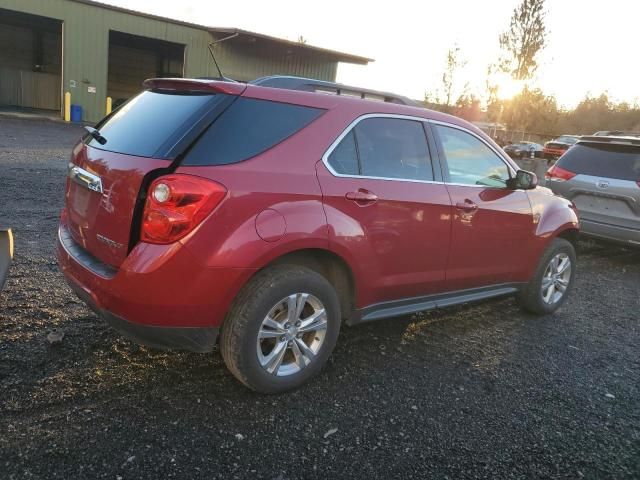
<point x="468" y="107"/>
<point x="524" y="40"/>
<point x="454" y="63"/>
<point x="301" y="39"/>
<point x="532" y="111"/>
<point x="494" y="104"/>
<point x="442" y="99"/>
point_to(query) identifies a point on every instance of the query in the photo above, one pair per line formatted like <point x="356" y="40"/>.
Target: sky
<point x="591" y="44"/>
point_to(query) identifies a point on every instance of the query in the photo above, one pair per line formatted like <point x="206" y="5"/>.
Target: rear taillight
<point x="176" y="204"/>
<point x="558" y="174"/>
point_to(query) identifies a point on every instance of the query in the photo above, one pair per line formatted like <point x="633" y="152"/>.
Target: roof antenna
<point x="211" y="45"/>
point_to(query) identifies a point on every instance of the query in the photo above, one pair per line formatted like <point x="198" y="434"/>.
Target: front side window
<point x="470" y="161"/>
<point x="390" y="148"/>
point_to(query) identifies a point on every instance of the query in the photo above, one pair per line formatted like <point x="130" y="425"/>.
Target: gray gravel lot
<point x="478" y="392"/>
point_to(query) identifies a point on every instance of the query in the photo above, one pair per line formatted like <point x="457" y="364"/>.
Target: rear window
<point x="603" y="160"/>
<point x="247" y="128"/>
<point x="569" y="140"/>
<point x="151" y="123"/>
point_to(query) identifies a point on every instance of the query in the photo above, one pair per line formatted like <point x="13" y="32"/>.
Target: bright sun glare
<point x="507" y="86"/>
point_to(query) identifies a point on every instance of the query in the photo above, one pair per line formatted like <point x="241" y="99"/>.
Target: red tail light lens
<point x="558" y="174"/>
<point x="176" y="204"/>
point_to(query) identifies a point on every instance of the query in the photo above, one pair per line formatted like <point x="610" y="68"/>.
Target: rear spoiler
<point x="194" y="85"/>
<point x="6" y="254"/>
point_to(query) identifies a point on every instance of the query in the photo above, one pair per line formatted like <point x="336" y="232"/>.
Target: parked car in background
<point x="523" y="149"/>
<point x="601" y="175"/>
<point x="557" y="147"/>
<point x="270" y="213"/>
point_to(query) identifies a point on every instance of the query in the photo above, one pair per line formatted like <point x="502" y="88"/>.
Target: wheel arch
<point x="569" y="234"/>
<point x="328" y="264"/>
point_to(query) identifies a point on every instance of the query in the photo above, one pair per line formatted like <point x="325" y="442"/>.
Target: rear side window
<point x="603" y="160"/>
<point x="384" y="148"/>
<point x="247" y="128"/>
<point x="344" y="158"/>
<point x="151" y="123"/>
<point x="393" y="148"/>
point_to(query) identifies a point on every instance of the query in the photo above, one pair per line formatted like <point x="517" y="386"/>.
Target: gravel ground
<point x="478" y="392"/>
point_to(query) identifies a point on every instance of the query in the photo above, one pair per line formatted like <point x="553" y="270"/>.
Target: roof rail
<point x="609" y="139"/>
<point x="322" y="86"/>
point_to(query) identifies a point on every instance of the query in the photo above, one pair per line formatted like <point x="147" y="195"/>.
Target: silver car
<point x="601" y="175"/>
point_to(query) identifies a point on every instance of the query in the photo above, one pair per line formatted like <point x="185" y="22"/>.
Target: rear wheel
<point x="281" y="329"/>
<point x="553" y="280"/>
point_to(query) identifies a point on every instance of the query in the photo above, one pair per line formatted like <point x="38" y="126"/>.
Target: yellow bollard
<point x="108" y="105"/>
<point x="67" y="107"/>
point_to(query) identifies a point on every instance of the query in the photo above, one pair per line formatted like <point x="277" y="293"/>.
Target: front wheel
<point x="281" y="329"/>
<point x="553" y="280"/>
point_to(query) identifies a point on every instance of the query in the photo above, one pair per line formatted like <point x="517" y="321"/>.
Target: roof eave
<point x="338" y="56"/>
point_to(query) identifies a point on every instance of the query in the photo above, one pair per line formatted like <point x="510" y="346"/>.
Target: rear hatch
<point x="605" y="186"/>
<point x="557" y="146"/>
<point x="141" y="140"/>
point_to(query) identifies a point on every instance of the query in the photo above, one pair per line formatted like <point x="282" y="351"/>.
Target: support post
<point x="67" y="106"/>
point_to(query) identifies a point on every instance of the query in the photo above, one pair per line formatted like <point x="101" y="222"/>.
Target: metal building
<point x="95" y="51"/>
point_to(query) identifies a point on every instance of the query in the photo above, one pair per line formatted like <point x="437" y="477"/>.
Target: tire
<point x="536" y="300"/>
<point x="253" y="360"/>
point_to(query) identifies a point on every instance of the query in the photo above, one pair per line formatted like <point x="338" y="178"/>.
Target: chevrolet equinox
<point x="267" y="214"/>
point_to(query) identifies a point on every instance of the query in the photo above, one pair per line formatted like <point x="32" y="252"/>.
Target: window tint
<point x="565" y="139"/>
<point x="248" y="127"/>
<point x="603" y="160"/>
<point x="393" y="148"/>
<point x="471" y="161"/>
<point x="150" y="123"/>
<point x="344" y="158"/>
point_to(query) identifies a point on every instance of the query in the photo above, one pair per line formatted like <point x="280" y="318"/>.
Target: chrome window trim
<point x="472" y="133"/>
<point x="351" y="126"/>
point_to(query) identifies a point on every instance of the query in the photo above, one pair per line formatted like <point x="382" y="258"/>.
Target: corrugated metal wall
<point x="20" y="85"/>
<point x="86" y="46"/>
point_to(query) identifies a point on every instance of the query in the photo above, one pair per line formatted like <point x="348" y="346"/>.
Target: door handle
<point x="467" y="206"/>
<point x="362" y="197"/>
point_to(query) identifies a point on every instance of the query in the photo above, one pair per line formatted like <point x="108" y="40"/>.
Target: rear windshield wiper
<point x="96" y="134"/>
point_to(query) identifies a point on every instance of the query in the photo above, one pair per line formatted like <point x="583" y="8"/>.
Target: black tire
<point x="530" y="297"/>
<point x="238" y="340"/>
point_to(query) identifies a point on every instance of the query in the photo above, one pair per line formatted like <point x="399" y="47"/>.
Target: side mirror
<point x="523" y="181"/>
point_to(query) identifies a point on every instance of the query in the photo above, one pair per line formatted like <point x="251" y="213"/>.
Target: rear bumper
<point x="553" y="152"/>
<point x="160" y="296"/>
<point x="194" y="339"/>
<point x="614" y="233"/>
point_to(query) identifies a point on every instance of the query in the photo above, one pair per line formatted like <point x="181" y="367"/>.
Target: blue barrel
<point x="76" y="113"/>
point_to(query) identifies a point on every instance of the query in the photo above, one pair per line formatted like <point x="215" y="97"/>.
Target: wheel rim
<point x="556" y="278"/>
<point x="292" y="334"/>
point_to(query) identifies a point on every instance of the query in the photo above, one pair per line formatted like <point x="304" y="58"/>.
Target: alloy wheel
<point x="292" y="334"/>
<point x="556" y="278"/>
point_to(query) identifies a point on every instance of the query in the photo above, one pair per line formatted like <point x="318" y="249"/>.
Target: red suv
<point x="272" y="212"/>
